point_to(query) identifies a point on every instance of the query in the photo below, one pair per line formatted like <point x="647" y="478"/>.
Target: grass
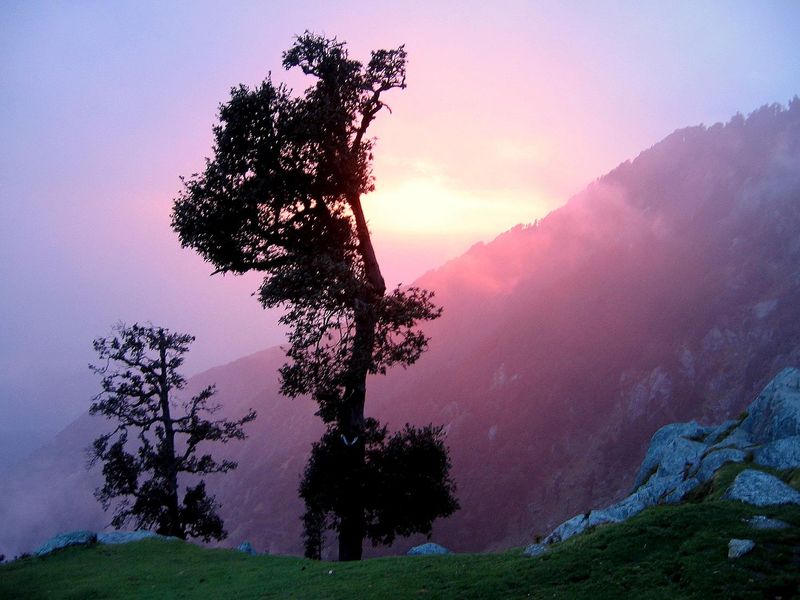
<point x="665" y="552"/>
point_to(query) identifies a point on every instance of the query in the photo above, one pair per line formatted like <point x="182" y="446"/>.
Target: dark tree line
<point x="282" y="195"/>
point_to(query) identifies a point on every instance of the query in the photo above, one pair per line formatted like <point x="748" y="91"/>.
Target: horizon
<point x="94" y="148"/>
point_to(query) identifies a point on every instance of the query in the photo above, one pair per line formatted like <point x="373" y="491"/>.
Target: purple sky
<point x="511" y="108"/>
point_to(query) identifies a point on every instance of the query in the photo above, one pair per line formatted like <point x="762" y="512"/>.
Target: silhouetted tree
<point x="282" y="196"/>
<point x="157" y="437"/>
<point x="403" y="486"/>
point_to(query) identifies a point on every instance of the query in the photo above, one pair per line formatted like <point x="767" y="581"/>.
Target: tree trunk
<point x="174" y="527"/>
<point x="352" y="525"/>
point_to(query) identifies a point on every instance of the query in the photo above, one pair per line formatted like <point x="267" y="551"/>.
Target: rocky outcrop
<point x="65" y="540"/>
<point x="761" y="489"/>
<point x="682" y="456"/>
<point x="535" y="550"/>
<point x="125" y="537"/>
<point x="427" y="549"/>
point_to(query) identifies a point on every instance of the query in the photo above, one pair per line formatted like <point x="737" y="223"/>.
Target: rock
<point x="738" y="438"/>
<point x="780" y="454"/>
<point x="720" y="432"/>
<point x="715" y="459"/>
<point x="775" y="413"/>
<point x="663" y="442"/>
<point x="764" y="522"/>
<point x="535" y="550"/>
<point x="64" y="540"/>
<point x="567" y="529"/>
<point x="247" y="548"/>
<point x="737" y="548"/>
<point x="124" y="537"/>
<point x="427" y="549"/>
<point x="761" y="489"/>
<point x="681" y="456"/>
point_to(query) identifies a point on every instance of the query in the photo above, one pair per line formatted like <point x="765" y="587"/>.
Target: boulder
<point x="247" y="548"/>
<point x="567" y="529"/>
<point x="714" y="459"/>
<point x="764" y="522"/>
<point x="775" y="413"/>
<point x="124" y="537"/>
<point x="535" y="550"/>
<point x="761" y="489"/>
<point x="737" y="548"/>
<point x="720" y="432"/>
<point x="780" y="454"/>
<point x="667" y="441"/>
<point x="64" y="540"/>
<point x="427" y="549"/>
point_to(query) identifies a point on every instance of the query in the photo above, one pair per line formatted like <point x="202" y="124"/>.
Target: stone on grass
<point x="567" y="529"/>
<point x="427" y="549"/>
<point x="64" y="540"/>
<point x="535" y="550"/>
<point x="247" y="548"/>
<point x="764" y="522"/>
<point x="737" y="548"/>
<point x="124" y="537"/>
<point x="761" y="489"/>
<point x="715" y="459"/>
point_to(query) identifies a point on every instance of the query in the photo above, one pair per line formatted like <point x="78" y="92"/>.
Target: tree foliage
<point x="404" y="484"/>
<point x="157" y="438"/>
<point x="282" y="196"/>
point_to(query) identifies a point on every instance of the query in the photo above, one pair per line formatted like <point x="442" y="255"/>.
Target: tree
<point x="282" y="196"/>
<point x="157" y="438"/>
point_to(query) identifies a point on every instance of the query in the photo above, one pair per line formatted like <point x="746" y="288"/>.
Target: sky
<point x="511" y="107"/>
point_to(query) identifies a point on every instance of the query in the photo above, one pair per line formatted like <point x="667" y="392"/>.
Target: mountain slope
<point x="666" y="291"/>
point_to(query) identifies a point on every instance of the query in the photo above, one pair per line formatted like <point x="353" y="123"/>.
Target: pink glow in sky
<point x="511" y="107"/>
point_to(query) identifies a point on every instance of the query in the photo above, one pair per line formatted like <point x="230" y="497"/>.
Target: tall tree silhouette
<point x="282" y="195"/>
<point x="157" y="438"/>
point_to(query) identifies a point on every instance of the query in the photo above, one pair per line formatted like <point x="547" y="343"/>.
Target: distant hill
<point x="667" y="290"/>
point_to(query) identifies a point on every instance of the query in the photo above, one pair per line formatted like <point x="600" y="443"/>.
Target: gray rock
<point x="681" y="490"/>
<point x="535" y="550"/>
<point x="247" y="548"/>
<point x="662" y="443"/>
<point x="427" y="549"/>
<point x="737" y="548"/>
<point x="738" y="438"/>
<point x="567" y="529"/>
<point x="715" y="459"/>
<point x="64" y="540"/>
<point x="720" y="432"/>
<point x="124" y="537"/>
<point x="761" y="489"/>
<point x="764" y="522"/>
<point x="780" y="454"/>
<point x="775" y="413"/>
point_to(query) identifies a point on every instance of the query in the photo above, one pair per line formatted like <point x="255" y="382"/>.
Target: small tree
<point x="283" y="196"/>
<point x="157" y="438"/>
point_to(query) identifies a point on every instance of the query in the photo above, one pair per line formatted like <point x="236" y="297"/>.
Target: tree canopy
<point x="282" y="196"/>
<point x="157" y="437"/>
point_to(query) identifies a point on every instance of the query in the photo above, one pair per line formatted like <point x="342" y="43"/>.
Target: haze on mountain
<point x="665" y="291"/>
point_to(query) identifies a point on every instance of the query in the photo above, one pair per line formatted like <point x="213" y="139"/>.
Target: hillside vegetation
<point x="665" y="552"/>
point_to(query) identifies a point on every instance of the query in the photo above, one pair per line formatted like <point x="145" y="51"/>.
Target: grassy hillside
<point x="666" y="552"/>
